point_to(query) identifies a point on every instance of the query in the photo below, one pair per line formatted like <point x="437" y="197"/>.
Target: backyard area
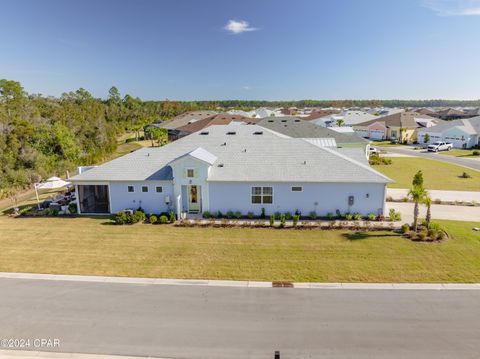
<point x="438" y="175"/>
<point x="92" y="246"/>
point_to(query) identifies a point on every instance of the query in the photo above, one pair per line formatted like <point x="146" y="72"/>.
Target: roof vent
<point x="220" y="165"/>
<point x="304" y="162"/>
<point x="204" y="133"/>
<point x="270" y="120"/>
<point x="284" y="120"/>
<point x="297" y="120"/>
<point x="231" y="133"/>
<point x="258" y="133"/>
<point x="223" y="144"/>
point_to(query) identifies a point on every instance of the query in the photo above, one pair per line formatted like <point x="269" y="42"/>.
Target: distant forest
<point x="41" y="136"/>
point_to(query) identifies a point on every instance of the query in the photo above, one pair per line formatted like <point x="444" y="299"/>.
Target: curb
<point x="241" y="284"/>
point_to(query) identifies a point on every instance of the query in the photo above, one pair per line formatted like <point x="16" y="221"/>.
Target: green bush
<point x="72" y="208"/>
<point x="296" y="218"/>
<point x="272" y="220"/>
<point x="153" y="219"/>
<point x="173" y="217"/>
<point x="465" y="175"/>
<point x="54" y="212"/>
<point x="282" y="221"/>
<point x="138" y="216"/>
<point x="375" y="159"/>
<point x="338" y="213"/>
<point x="238" y="214"/>
<point x="357" y="216"/>
<point x="348" y="216"/>
<point x="372" y="216"/>
<point x="476" y="153"/>
<point x="163" y="220"/>
<point x="433" y="234"/>
<point x="229" y="214"/>
<point x="277" y="215"/>
<point x="262" y="215"/>
<point x="330" y="215"/>
<point x="313" y="215"/>
<point x="250" y="215"/>
<point x="25" y="210"/>
<point x="405" y="228"/>
<point x="394" y="216"/>
<point x="422" y="235"/>
<point x="219" y="214"/>
<point x="206" y="214"/>
<point x="435" y="226"/>
<point x="119" y="218"/>
<point x="288" y="216"/>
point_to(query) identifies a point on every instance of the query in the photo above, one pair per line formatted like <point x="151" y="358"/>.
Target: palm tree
<point x="417" y="193"/>
<point x="427" y="201"/>
<point x="340" y="122"/>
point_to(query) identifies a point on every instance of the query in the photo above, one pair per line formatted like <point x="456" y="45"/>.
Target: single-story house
<point x="174" y="125"/>
<point x="243" y="168"/>
<point x="463" y="133"/>
<point x="400" y="126"/>
<point x="450" y="114"/>
<point x="345" y="118"/>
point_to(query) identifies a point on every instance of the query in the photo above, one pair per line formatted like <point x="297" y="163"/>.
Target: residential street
<point x="467" y="162"/>
<point x="224" y="322"/>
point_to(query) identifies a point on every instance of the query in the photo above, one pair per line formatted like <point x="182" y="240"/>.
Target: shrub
<point x="313" y="215"/>
<point x="54" y="212"/>
<point x="338" y="213"/>
<point x="119" y="218"/>
<point x="272" y="220"/>
<point x="206" y="214"/>
<point x="277" y="215"/>
<point x="476" y="153"/>
<point x="435" y="226"/>
<point x="250" y="215"/>
<point x="140" y="209"/>
<point x="238" y="214"/>
<point x="24" y="211"/>
<point x="219" y="214"/>
<point x="330" y="215"/>
<point x="163" y="220"/>
<point x="422" y="235"/>
<point x="441" y="235"/>
<point x="282" y="221"/>
<point x="229" y="214"/>
<point x="288" y="216"/>
<point x="173" y="217"/>
<point x="138" y="216"/>
<point x="357" y="216"/>
<point x="348" y="216"/>
<point x="433" y="234"/>
<point x="372" y="216"/>
<point x="412" y="235"/>
<point x="72" y="208"/>
<point x="262" y="214"/>
<point x="375" y="159"/>
<point x="465" y="175"/>
<point x="394" y="216"/>
<point x="296" y="218"/>
<point x="153" y="219"/>
<point x="298" y="213"/>
<point x="405" y="228"/>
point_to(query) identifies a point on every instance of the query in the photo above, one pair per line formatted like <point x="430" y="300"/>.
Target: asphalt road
<point x="223" y="322"/>
<point x="467" y="162"/>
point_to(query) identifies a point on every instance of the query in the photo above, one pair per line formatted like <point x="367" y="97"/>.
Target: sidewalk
<point x="439" y="211"/>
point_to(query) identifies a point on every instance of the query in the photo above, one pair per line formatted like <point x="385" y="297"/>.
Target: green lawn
<point x="460" y="153"/>
<point x="437" y="175"/>
<point x="88" y="246"/>
<point x="385" y="144"/>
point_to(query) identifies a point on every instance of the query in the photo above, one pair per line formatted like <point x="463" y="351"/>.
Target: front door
<point x="194" y="198"/>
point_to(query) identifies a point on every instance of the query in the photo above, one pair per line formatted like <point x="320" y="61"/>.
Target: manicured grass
<point x="88" y="246"/>
<point x="437" y="174"/>
<point x="385" y="144"/>
<point x="460" y="153"/>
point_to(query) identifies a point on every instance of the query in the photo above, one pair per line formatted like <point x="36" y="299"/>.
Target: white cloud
<point x="246" y="88"/>
<point x="237" y="27"/>
<point x="454" y="7"/>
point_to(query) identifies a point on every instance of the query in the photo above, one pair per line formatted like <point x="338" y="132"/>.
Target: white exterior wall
<point x="454" y="135"/>
<point x="320" y="197"/>
<point x="151" y="201"/>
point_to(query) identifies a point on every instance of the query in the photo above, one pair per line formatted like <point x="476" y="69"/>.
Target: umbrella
<point x="50" y="183"/>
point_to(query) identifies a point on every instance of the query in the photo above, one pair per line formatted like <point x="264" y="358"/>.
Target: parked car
<point x="373" y="151"/>
<point x="439" y="146"/>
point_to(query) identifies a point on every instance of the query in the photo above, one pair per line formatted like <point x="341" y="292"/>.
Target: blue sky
<point x="248" y="49"/>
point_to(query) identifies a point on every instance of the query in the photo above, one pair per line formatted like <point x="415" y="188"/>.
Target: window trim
<point x="128" y="189"/>
<point x="190" y="169"/>
<point x="145" y="186"/>
<point x="292" y="187"/>
<point x="261" y="195"/>
<point x="156" y="189"/>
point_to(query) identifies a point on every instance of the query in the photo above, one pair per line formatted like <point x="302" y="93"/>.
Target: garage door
<point x="377" y="135"/>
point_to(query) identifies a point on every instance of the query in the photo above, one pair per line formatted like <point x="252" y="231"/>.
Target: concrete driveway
<point x="245" y="323"/>
<point x="473" y="163"/>
<point x="445" y="196"/>
<point x="439" y="211"/>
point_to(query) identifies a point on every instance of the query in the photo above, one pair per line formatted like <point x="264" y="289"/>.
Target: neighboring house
<point x="218" y="119"/>
<point x="242" y="168"/>
<point x="315" y="115"/>
<point x="184" y="119"/>
<point x="346" y="118"/>
<point x="256" y="113"/>
<point x="424" y="111"/>
<point x="297" y="128"/>
<point x="401" y="126"/>
<point x="449" y="114"/>
<point x="463" y="133"/>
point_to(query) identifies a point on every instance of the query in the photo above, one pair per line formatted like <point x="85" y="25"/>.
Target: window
<point x="262" y="195"/>
<point x="130" y="189"/>
<point x="159" y="189"/>
<point x="190" y="173"/>
<point x="297" y="188"/>
<point x="144" y="189"/>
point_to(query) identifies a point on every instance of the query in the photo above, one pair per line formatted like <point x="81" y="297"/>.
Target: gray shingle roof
<point x="296" y="128"/>
<point x="245" y="156"/>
